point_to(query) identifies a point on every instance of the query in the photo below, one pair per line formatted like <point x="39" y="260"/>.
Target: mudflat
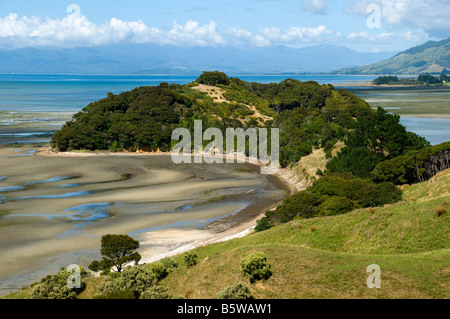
<point x="55" y="207"/>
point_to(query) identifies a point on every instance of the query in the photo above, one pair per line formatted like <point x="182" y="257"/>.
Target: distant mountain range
<point x="152" y="59"/>
<point x="430" y="57"/>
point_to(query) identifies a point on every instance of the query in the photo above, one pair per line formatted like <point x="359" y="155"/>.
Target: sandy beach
<point x="56" y="206"/>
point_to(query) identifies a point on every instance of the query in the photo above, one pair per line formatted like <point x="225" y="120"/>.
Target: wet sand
<point x="55" y="207"/>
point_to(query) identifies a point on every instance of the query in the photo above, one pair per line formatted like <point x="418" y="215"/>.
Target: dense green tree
<point x="429" y="79"/>
<point x="333" y="194"/>
<point x="389" y="80"/>
<point x="372" y="140"/>
<point x="414" y="166"/>
<point x="213" y="78"/>
<point x="444" y="78"/>
<point x="117" y="251"/>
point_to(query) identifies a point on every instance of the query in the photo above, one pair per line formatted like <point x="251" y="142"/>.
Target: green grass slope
<point x="328" y="257"/>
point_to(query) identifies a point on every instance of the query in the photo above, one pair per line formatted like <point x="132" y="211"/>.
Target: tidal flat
<point x="54" y="209"/>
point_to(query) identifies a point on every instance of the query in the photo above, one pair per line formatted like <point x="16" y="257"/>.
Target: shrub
<point x="263" y="224"/>
<point x="159" y="270"/>
<point x="55" y="287"/>
<point x="235" y="291"/>
<point x="333" y="194"/>
<point x="255" y="267"/>
<point x="190" y="259"/>
<point x="335" y="206"/>
<point x="169" y="263"/>
<point x="374" y="195"/>
<point x="156" y="293"/>
<point x="136" y="279"/>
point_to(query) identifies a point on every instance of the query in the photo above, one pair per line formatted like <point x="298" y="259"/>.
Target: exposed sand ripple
<point x="55" y="207"/>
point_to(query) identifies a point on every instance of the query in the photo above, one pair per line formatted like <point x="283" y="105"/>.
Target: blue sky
<point x="259" y="23"/>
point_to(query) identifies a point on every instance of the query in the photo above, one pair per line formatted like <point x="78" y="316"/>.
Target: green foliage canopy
<point x="117" y="251"/>
<point x="255" y="267"/>
<point x="213" y="78"/>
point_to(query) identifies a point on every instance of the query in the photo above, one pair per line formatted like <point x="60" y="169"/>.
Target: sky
<point x="362" y="25"/>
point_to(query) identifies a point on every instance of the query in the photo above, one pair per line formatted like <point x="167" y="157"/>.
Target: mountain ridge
<point x="153" y="59"/>
<point x="430" y="57"/>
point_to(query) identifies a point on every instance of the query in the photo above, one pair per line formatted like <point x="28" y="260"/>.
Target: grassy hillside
<point x="328" y="257"/>
<point x="430" y="57"/>
<point x="408" y="240"/>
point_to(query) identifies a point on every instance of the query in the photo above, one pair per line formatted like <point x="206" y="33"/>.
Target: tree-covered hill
<point x="308" y="115"/>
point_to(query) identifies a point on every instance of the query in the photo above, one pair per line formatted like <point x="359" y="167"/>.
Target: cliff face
<point x="435" y="164"/>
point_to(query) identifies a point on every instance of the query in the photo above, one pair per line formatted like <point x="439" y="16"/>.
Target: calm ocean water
<point x="33" y="107"/>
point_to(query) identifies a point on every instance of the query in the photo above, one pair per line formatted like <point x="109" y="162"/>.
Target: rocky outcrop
<point x="433" y="165"/>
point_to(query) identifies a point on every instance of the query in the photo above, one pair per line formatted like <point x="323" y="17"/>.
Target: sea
<point x="34" y="107"/>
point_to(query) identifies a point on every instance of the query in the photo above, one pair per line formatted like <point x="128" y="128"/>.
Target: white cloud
<point x="76" y="30"/>
<point x="293" y="35"/>
<point x="426" y="15"/>
<point x="194" y="34"/>
<point x="70" y="31"/>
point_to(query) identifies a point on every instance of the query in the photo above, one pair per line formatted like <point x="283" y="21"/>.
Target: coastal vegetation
<point x="422" y="80"/>
<point x="308" y="115"/>
<point x="414" y="166"/>
<point x="320" y="240"/>
<point x="332" y="195"/>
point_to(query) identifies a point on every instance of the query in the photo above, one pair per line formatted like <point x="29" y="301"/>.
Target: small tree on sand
<point x="117" y="251"/>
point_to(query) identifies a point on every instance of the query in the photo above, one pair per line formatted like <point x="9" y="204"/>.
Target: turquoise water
<point x="34" y="107"/>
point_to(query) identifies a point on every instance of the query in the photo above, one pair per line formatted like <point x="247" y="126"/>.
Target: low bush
<point x="236" y="291"/>
<point x="255" y="267"/>
<point x="56" y="287"/>
<point x="335" y="206"/>
<point x="156" y="293"/>
<point x="190" y="259"/>
<point x="135" y="279"/>
<point x="169" y="263"/>
<point x="159" y="270"/>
